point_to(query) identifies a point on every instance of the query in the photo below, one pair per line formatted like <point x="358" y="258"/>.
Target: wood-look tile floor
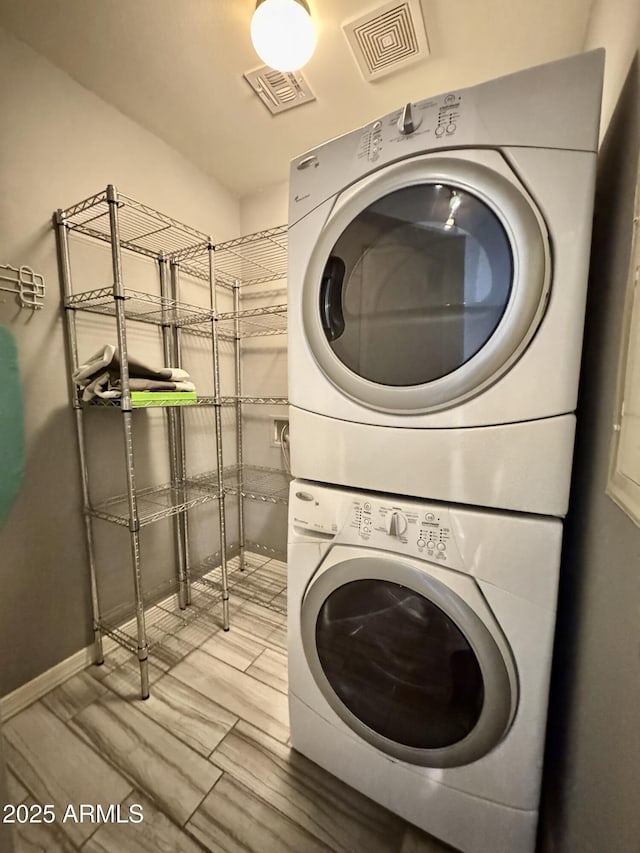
<point x="206" y="757"/>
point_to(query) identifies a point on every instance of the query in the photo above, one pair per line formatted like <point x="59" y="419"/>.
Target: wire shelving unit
<point x="128" y="226"/>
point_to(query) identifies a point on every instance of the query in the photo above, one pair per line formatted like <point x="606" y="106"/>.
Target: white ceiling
<point x="175" y="67"/>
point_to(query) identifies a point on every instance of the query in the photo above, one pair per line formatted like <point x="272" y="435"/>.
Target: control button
<point x="439" y="130"/>
<point x="429" y="516"/>
<point x="431" y="545"/>
<point x="304" y="496"/>
<point x="376" y="125"/>
<point x="441" y="546"/>
<point x="451" y="128"/>
<point x="420" y="543"/>
<point x="367" y="506"/>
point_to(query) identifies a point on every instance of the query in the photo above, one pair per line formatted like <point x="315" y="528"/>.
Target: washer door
<point x="405" y="662"/>
<point x="428" y="280"/>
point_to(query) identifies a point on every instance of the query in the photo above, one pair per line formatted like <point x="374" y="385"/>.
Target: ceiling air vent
<point x="388" y="39"/>
<point x="279" y="90"/>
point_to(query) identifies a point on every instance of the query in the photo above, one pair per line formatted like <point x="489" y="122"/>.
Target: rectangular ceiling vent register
<point x="388" y="39"/>
<point x="279" y="90"/>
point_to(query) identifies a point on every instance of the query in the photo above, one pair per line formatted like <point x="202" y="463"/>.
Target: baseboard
<point x="33" y="690"/>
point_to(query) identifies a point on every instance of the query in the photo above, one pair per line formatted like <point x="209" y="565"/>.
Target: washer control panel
<point x="433" y="122"/>
<point x="402" y="525"/>
<point x="406" y="528"/>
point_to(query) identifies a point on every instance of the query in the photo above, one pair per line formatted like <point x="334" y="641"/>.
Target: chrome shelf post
<point x="125" y="408"/>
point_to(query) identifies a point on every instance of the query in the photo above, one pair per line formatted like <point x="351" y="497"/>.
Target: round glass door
<point x="399" y="664"/>
<point x="427" y="282"/>
<point x="406" y="662"/>
<point x="416" y="285"/>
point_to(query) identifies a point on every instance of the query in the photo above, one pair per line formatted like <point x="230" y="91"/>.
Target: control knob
<point x="396" y="524"/>
<point x="408" y="122"/>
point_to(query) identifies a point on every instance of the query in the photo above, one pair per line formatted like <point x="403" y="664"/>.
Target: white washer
<point x="420" y="642"/>
<point x="438" y="262"/>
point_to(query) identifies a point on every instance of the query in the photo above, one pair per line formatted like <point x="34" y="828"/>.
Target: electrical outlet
<point x="278" y="424"/>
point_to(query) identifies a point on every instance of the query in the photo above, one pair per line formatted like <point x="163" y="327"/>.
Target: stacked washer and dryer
<point x="437" y="283"/>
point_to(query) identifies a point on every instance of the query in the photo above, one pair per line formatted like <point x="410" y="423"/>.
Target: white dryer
<point x="438" y="263"/>
<point x="420" y="643"/>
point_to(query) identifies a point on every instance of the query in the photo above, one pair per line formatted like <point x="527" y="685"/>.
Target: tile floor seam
<point x="89" y="743"/>
<point x="201" y="649"/>
<point x="280" y="811"/>
<point x="184" y="825"/>
<point x="303" y="785"/>
<point x="137" y="786"/>
<point x="141" y="794"/>
<point x="220" y="742"/>
<point x="148" y="744"/>
<point x="98" y="825"/>
<point x="235" y="713"/>
<point x="287" y="818"/>
<point x="104" y="756"/>
<point x="22" y="782"/>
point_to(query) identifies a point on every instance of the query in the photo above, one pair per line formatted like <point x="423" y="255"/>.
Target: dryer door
<point x="428" y="280"/>
<point x="406" y="661"/>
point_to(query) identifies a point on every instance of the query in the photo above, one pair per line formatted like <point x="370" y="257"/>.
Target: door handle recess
<point x="331" y="297"/>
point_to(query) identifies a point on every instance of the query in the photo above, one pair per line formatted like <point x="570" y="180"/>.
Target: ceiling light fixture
<point x="282" y="33"/>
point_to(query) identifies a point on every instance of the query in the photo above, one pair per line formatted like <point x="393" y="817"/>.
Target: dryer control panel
<point x="422" y="127"/>
<point x="432" y="122"/>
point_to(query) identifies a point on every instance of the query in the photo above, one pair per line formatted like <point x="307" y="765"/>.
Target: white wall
<point x="59" y="143"/>
<point x="614" y="25"/>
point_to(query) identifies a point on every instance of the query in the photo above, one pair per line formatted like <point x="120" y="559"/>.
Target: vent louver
<point x="388" y="39"/>
<point x="279" y="90"/>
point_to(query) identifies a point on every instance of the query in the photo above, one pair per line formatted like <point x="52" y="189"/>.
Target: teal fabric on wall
<point x="11" y="423"/>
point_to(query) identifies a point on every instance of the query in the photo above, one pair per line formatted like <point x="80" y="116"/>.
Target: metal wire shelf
<point x="142" y="229"/>
<point x="157" y="502"/>
<point x="253" y="322"/>
<point x="252" y="481"/>
<point x="140" y="306"/>
<point x="262" y="580"/>
<point x="267" y="401"/>
<point x="164" y="619"/>
<point x="257" y="483"/>
<point x="253" y="259"/>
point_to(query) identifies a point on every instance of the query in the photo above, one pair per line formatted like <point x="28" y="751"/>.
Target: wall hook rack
<point x="27" y="284"/>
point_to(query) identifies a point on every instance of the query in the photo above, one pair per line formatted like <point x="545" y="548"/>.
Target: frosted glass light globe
<point x="282" y="34"/>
